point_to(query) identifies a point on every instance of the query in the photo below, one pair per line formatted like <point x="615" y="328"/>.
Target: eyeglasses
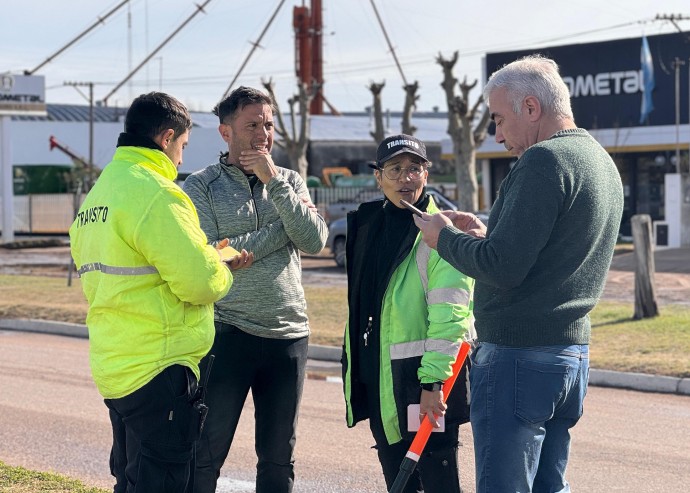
<point x="394" y="172"/>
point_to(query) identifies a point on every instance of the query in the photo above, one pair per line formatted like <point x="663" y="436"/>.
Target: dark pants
<point x="274" y="371"/>
<point x="437" y="470"/>
<point x="154" y="429"/>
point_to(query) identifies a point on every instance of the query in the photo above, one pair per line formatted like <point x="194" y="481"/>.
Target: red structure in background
<point x="308" y="25"/>
<point x="77" y="159"/>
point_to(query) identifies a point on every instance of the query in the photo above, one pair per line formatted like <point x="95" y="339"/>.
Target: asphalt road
<point x="52" y="419"/>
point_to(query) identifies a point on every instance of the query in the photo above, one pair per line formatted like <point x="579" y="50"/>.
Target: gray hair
<point x="533" y="75"/>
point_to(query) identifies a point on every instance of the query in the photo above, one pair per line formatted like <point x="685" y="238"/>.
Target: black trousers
<point x="154" y="429"/>
<point x="437" y="470"/>
<point x="274" y="370"/>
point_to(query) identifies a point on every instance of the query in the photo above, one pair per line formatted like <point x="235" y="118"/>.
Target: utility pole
<point x="677" y="62"/>
<point x="76" y="85"/>
<point x="676" y="65"/>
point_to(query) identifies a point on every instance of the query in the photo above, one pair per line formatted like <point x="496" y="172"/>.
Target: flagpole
<point x="647" y="69"/>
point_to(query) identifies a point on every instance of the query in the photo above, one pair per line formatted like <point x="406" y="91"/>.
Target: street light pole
<point x="90" y="172"/>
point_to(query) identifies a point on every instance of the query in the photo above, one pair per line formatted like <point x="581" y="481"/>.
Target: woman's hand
<point x="431" y="404"/>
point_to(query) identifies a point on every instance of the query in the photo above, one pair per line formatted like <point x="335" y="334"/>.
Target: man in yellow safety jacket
<point x="150" y="280"/>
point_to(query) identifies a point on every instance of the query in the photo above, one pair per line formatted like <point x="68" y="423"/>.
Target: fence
<point x="43" y="214"/>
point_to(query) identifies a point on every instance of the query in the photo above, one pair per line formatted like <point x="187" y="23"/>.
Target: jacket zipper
<point x="367" y="331"/>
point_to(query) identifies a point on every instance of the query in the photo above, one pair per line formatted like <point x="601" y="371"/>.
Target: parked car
<point x="337" y="229"/>
<point x="336" y="240"/>
<point x="339" y="209"/>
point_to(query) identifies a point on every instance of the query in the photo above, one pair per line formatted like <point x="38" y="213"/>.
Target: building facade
<point x="648" y="140"/>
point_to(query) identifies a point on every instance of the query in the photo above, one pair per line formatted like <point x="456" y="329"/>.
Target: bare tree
<point x="379" y="130"/>
<point x="465" y="138"/>
<point x="294" y="143"/>
<point x="411" y="99"/>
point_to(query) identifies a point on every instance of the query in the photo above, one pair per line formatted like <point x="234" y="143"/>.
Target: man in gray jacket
<point x="261" y="326"/>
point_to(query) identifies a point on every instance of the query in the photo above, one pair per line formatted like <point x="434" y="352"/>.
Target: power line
<point x="367" y="66"/>
<point x="101" y="20"/>
<point x="199" y="8"/>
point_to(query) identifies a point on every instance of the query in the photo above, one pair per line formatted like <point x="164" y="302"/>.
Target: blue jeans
<point x="524" y="402"/>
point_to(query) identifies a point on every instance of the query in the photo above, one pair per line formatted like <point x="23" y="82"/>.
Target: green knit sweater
<point x="551" y="233"/>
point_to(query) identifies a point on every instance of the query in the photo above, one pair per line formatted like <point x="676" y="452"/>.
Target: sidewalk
<point x="324" y="361"/>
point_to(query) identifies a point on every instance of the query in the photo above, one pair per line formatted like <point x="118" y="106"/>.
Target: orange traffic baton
<point x="414" y="453"/>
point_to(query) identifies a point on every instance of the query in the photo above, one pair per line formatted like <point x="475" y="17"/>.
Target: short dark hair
<point x="152" y="113"/>
<point x="238" y="99"/>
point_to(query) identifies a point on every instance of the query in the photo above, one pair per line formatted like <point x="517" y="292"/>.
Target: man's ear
<point x="533" y="108"/>
<point x="225" y="131"/>
<point x="164" y="138"/>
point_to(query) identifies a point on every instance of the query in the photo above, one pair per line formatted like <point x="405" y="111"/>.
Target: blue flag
<point x="647" y="80"/>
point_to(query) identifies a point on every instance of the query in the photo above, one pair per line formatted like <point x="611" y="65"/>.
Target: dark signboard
<point x="606" y="79"/>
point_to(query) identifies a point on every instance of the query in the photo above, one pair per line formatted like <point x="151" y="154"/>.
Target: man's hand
<point x="241" y="261"/>
<point x="310" y="205"/>
<point x="258" y="163"/>
<point x="431" y="225"/>
<point x="467" y="222"/>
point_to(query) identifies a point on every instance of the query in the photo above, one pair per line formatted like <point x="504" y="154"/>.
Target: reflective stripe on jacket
<point x="147" y="272"/>
<point x="425" y="314"/>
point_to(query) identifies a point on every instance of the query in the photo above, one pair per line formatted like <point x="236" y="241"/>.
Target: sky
<point x="198" y="63"/>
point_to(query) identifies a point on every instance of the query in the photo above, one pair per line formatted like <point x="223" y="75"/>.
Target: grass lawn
<point x="660" y="345"/>
<point x="20" y="480"/>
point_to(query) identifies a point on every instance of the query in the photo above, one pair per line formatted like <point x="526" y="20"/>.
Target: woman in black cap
<point x="408" y="313"/>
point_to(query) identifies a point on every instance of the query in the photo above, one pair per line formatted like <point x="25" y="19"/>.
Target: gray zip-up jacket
<point x="274" y="223"/>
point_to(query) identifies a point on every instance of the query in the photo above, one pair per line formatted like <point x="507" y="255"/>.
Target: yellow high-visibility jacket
<point x="147" y="272"/>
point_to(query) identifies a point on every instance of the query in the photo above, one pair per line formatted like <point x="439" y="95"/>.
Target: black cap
<point x="399" y="144"/>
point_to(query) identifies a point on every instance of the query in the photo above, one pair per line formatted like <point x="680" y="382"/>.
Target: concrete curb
<point x="640" y="381"/>
<point x="601" y="378"/>
<point x="45" y="327"/>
